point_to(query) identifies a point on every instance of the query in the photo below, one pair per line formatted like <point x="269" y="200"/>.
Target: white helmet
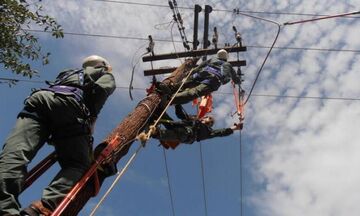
<point x="222" y="54"/>
<point x="96" y="61"/>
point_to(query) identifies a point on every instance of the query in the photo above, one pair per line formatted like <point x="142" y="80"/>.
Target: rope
<point x="120" y="174"/>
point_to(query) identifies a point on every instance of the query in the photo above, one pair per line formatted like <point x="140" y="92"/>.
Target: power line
<point x="99" y="35"/>
<point x="241" y="175"/>
<point x="221" y="10"/>
<point x="171" y="41"/>
<point x="21" y="80"/>
<point x="268" y="53"/>
<point x="306" y="48"/>
<point x="169" y="186"/>
<point x="220" y="93"/>
<point x="308" y="97"/>
<point x="134" y="3"/>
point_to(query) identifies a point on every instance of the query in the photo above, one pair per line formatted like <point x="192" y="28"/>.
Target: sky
<point x="299" y="150"/>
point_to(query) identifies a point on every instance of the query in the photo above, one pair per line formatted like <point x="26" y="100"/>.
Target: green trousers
<point x="181" y="134"/>
<point x="53" y="114"/>
<point x="191" y="93"/>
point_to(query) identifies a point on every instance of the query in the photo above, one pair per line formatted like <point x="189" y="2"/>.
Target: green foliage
<point x="17" y="45"/>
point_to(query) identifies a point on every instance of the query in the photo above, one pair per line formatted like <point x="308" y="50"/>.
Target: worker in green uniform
<point x="206" y="78"/>
<point x="64" y="115"/>
<point x="188" y="131"/>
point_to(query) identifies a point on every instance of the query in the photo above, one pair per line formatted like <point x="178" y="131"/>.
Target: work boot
<point x="29" y="212"/>
<point x="162" y="88"/>
<point x="36" y="209"/>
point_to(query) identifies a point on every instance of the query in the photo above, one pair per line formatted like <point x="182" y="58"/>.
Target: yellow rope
<point x="119" y="175"/>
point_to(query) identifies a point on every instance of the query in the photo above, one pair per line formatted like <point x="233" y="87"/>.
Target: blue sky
<point x="300" y="155"/>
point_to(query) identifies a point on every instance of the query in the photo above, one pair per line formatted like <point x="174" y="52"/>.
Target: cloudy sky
<point x="300" y="143"/>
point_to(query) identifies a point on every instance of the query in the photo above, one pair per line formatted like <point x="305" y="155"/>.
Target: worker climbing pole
<point x="117" y="144"/>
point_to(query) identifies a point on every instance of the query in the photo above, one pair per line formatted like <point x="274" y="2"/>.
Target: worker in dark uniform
<point x="63" y="115"/>
<point x="188" y="131"/>
<point x="206" y="78"/>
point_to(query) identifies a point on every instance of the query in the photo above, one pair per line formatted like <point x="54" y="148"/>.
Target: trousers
<point x="54" y="113"/>
<point x="191" y="93"/>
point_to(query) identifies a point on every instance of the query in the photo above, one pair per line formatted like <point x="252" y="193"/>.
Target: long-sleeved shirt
<point x="190" y="131"/>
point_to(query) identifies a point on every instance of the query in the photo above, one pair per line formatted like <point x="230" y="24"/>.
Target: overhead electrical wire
<point x="133" y="66"/>
<point x="203" y="178"/>
<point x="241" y="174"/>
<point x="169" y="185"/>
<point x="219" y="93"/>
<point x="221" y="10"/>
<point x="175" y="41"/>
<point x="267" y="54"/>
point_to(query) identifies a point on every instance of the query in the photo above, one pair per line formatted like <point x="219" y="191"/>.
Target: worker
<point x="206" y="78"/>
<point x="63" y="115"/>
<point x="188" y="131"/>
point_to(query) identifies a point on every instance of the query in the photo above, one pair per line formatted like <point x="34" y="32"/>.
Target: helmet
<point x="96" y="61"/>
<point x="222" y="54"/>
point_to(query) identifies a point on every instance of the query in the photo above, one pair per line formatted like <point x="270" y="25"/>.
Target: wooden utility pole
<point x="118" y="143"/>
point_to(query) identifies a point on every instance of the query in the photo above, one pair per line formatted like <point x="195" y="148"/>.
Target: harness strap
<point x="212" y="75"/>
<point x="77" y="93"/>
<point x="66" y="74"/>
<point x="72" y="91"/>
<point x="214" y="71"/>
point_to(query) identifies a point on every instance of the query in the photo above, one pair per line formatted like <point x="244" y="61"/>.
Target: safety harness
<point x="59" y="85"/>
<point x="67" y="83"/>
<point x="211" y="74"/>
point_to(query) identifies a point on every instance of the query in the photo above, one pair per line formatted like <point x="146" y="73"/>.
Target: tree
<point x="17" y="44"/>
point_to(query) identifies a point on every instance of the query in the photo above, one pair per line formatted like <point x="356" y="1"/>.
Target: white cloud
<point x="307" y="151"/>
